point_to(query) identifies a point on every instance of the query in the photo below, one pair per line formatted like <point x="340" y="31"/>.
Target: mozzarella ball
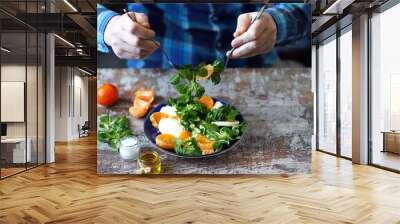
<point x="217" y="105"/>
<point x="170" y="126"/>
<point x="170" y="110"/>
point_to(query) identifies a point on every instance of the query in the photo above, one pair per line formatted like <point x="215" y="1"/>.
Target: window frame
<point x="333" y="37"/>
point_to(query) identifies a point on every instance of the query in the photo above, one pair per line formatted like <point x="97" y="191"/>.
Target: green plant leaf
<point x="175" y="79"/>
<point x="202" y="72"/>
<point x="216" y="78"/>
<point x="218" y="67"/>
<point x="182" y="89"/>
<point x="111" y="130"/>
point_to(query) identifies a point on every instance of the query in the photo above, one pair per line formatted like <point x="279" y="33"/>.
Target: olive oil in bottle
<point x="149" y="161"/>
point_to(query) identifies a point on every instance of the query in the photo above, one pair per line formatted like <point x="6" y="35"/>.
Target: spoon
<point x="254" y="19"/>
<point x="156" y="43"/>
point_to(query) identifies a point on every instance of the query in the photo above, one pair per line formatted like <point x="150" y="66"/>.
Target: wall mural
<point x="204" y="88"/>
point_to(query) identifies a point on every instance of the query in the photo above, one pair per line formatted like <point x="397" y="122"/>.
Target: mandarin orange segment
<point x="138" y="112"/>
<point x="210" y="71"/>
<point x="156" y="117"/>
<point x="139" y="108"/>
<point x="205" y="144"/>
<point x="179" y="118"/>
<point x="145" y="95"/>
<point x="185" y="135"/>
<point x="142" y="102"/>
<point x="166" y="141"/>
<point x="206" y="101"/>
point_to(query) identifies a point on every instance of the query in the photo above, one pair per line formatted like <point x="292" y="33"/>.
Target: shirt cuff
<point x="280" y="22"/>
<point x="102" y="20"/>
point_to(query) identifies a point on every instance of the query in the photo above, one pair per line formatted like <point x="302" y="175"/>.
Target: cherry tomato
<point x="107" y="94"/>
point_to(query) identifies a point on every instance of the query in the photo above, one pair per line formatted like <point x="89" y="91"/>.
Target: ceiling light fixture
<point x="70" y="5"/>
<point x="5" y="49"/>
<point x="337" y="7"/>
<point x="64" y="40"/>
<point x="84" y="71"/>
<point x="331" y="8"/>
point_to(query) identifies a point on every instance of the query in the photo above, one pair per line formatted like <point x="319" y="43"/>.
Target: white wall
<point x="61" y="103"/>
<point x="12" y="73"/>
<point x="81" y="82"/>
<point x="71" y="94"/>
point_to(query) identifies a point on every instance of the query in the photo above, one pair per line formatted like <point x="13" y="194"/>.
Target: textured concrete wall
<point x="277" y="104"/>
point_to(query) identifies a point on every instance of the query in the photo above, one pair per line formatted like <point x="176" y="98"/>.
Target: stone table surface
<point x="277" y="104"/>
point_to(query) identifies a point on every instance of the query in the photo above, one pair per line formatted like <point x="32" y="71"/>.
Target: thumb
<point x="243" y="23"/>
<point x="142" y="19"/>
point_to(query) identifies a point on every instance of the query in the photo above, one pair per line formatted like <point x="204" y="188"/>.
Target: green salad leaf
<point x="224" y="113"/>
<point x="195" y="117"/>
<point x="218" y="68"/>
<point x="113" y="129"/>
<point x="188" y="147"/>
<point x="185" y="81"/>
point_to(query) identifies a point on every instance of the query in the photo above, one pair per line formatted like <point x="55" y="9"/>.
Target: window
<point x="327" y="96"/>
<point x="385" y="89"/>
<point x="346" y="92"/>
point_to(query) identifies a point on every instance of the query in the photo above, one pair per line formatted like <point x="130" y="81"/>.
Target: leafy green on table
<point x="113" y="129"/>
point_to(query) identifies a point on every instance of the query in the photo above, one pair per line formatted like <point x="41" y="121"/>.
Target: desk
<point x="391" y="141"/>
<point x="18" y="150"/>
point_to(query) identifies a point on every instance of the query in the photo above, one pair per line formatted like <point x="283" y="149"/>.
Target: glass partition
<point x="346" y="93"/>
<point x="22" y="90"/>
<point x="32" y="96"/>
<point x="13" y="121"/>
<point x="327" y="96"/>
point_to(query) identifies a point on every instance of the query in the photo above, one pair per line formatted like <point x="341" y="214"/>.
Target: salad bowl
<point x="152" y="132"/>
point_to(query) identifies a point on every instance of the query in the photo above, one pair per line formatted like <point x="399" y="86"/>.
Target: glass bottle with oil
<point x="149" y="162"/>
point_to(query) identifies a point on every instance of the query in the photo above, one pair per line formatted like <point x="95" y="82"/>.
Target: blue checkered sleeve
<point x="195" y="33"/>
<point x="103" y="17"/>
<point x="293" y="21"/>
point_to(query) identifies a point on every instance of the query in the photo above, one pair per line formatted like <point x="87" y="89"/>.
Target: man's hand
<point x="129" y="35"/>
<point x="256" y="39"/>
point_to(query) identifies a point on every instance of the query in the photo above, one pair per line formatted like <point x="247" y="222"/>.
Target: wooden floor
<point x="10" y="171"/>
<point x="386" y="159"/>
<point x="70" y="191"/>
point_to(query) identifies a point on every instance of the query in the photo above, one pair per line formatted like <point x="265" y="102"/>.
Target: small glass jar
<point x="129" y="148"/>
<point x="149" y="162"/>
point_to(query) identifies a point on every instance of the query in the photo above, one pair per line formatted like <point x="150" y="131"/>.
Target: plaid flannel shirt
<point x="195" y="33"/>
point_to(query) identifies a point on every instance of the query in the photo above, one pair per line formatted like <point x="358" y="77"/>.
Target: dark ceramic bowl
<point x="152" y="132"/>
